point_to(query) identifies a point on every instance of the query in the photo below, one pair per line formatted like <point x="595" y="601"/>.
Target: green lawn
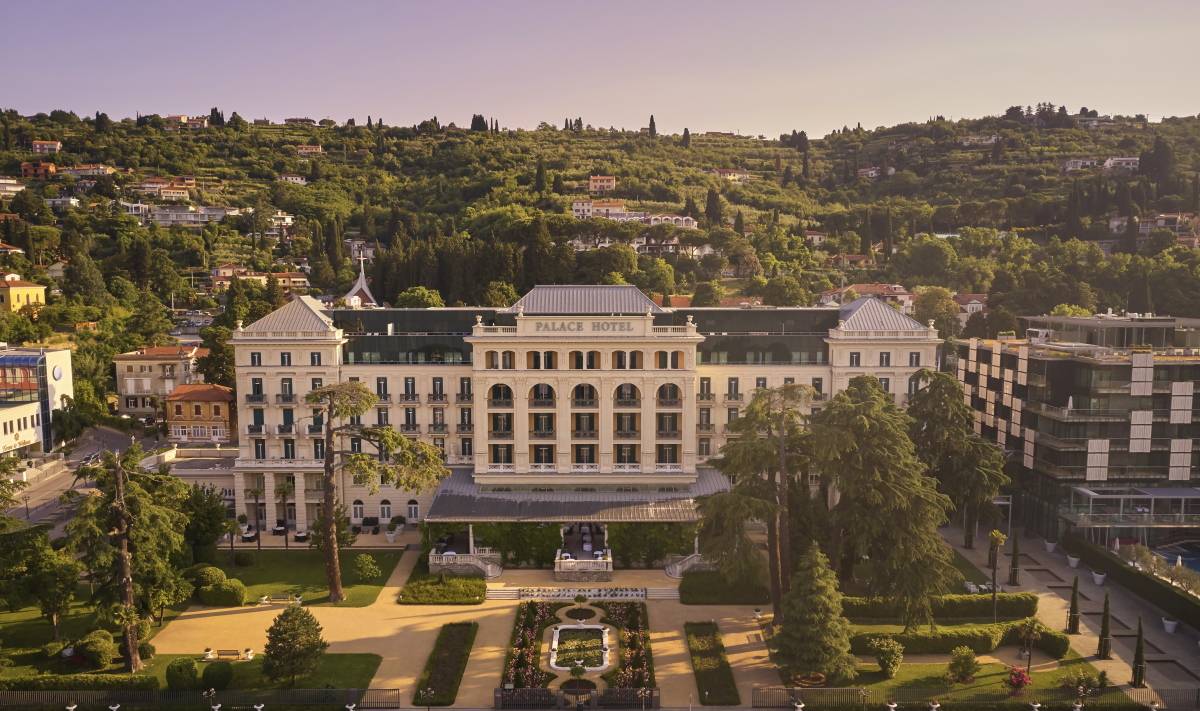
<point x="335" y="671"/>
<point x="714" y="677"/>
<point x="302" y="572"/>
<point x="969" y="572"/>
<point x="444" y="669"/>
<point x="580" y="645"/>
<point x="930" y="678"/>
<point x="421" y="588"/>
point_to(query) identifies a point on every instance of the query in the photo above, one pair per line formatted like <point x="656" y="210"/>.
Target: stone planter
<point x="390" y="536"/>
<point x="1050" y="545"/>
<point x="1072" y="561"/>
<point x="1169" y="625"/>
<point x="1098" y="577"/>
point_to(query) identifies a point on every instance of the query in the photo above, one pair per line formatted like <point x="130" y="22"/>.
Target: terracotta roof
<point x="20" y="282"/>
<point x="201" y="392"/>
<point x="968" y="298"/>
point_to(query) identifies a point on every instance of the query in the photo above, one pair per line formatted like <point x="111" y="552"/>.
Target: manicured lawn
<point x="930" y="678"/>
<point x="969" y="572"/>
<point x="708" y="587"/>
<point x="425" y="589"/>
<point x="302" y="572"/>
<point x="335" y="671"/>
<point x="714" y="677"/>
<point x="580" y="645"/>
<point x="446" y="664"/>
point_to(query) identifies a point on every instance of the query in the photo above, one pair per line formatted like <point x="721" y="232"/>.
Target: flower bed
<point x="585" y="645"/>
<point x="522" y="666"/>
<point x="635" y="666"/>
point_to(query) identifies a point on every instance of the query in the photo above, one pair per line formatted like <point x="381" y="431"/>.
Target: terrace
<point x="1133" y="507"/>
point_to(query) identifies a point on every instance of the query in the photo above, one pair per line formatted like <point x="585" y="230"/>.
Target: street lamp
<point x="798" y="705"/>
<point x="428" y="694"/>
<point x="643" y="694"/>
<point x="25" y="497"/>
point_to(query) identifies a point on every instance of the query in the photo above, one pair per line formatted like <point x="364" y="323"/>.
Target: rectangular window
<point x="464" y="386"/>
<point x="197" y="410"/>
<point x="818" y="384"/>
<point x="704" y="447"/>
<point x="760" y="383"/>
<point x="732" y="386"/>
<point x="285" y="358"/>
<point x="260" y="449"/>
<point x="410" y="386"/>
<point x="318" y="449"/>
<point x="314" y="358"/>
<point x="179" y="410"/>
<point x="885" y="360"/>
<point x="356" y="445"/>
<point x="256" y="385"/>
<point x="317" y="383"/>
<point x="705" y="416"/>
<point x="886" y="384"/>
<point x="439" y="416"/>
<point x="914" y="359"/>
<point x="466" y="447"/>
<point x="255" y="359"/>
<point x="438" y="388"/>
<point x="705" y="386"/>
<point x="731" y="415"/>
<point x="285" y="386"/>
<point x="289" y="449"/>
<point x="381" y="386"/>
<point x="855" y="359"/>
<point x="381" y="416"/>
<point x="410" y="416"/>
<point x="216" y="410"/>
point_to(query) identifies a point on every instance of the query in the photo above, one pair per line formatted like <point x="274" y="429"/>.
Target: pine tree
<point x="815" y="636"/>
<point x="1104" y="649"/>
<point x="1139" y="659"/>
<point x="1073" y="612"/>
<point x="787" y="176"/>
<point x="687" y="138"/>
<point x="1014" y="565"/>
<point x="653" y="130"/>
<point x="294" y="645"/>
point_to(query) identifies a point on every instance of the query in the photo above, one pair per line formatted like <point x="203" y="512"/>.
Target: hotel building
<point x="1098" y="415"/>
<point x="33" y="382"/>
<point x="578" y="404"/>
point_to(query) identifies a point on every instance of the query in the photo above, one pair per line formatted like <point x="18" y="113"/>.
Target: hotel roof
<point x="591" y="300"/>
<point x="871" y="314"/>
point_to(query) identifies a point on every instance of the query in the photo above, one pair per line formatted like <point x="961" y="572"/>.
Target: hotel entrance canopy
<point x="1133" y="507"/>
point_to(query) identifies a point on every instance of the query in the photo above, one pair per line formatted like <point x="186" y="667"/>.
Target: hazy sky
<point x="754" y="67"/>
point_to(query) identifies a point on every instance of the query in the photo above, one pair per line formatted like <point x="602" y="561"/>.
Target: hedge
<point x="709" y="587"/>
<point x="97" y="648"/>
<point x="217" y="675"/>
<point x="79" y="682"/>
<point x="1161" y="593"/>
<point x="444" y="669"/>
<point x="227" y="593"/>
<point x="947" y="608"/>
<point x="425" y="589"/>
<point x="205" y="575"/>
<point x="982" y="639"/>
<point x="714" y="677"/>
<point x="182" y="674"/>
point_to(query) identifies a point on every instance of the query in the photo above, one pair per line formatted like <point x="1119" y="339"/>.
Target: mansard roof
<point x="585" y="300"/>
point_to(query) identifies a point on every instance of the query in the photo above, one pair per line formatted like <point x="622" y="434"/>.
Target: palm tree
<point x="998" y="540"/>
<point x="284" y="488"/>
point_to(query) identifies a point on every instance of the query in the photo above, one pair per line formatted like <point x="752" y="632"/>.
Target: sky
<point x="739" y="65"/>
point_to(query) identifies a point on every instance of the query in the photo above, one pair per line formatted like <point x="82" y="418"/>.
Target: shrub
<point x="1080" y="680"/>
<point x="444" y="669"/>
<point x="365" y="568"/>
<point x="980" y="638"/>
<point x="714" y="677"/>
<point x="79" y="682"/>
<point x="217" y="675"/>
<point x="963" y="665"/>
<point x="947" y="608"/>
<point x="889" y="654"/>
<point x="204" y="575"/>
<point x="53" y="650"/>
<point x="243" y="559"/>
<point x="709" y="587"/>
<point x="182" y="675"/>
<point x="145" y="649"/>
<point x="227" y="593"/>
<point x="97" y="648"/>
<point x="443" y="590"/>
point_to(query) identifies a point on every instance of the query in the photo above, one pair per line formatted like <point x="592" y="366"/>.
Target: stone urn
<point x="1050" y="545"/>
<point x="1072" y="561"/>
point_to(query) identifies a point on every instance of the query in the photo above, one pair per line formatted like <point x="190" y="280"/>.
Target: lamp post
<point x="25" y="498"/>
<point x="428" y="694"/>
<point x="643" y="694"/>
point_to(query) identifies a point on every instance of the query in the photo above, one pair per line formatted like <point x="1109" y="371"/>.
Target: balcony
<point x="705" y="396"/>
<point x="464" y="397"/>
<point x="500" y="468"/>
<point x="628" y="402"/>
<point x="465" y="428"/>
<point x="728" y="428"/>
<point x="627" y="434"/>
<point x="541" y="434"/>
<point x="504" y="402"/>
<point x="733" y="397"/>
<point x="255" y="429"/>
<point x="408" y="397"/>
<point x="435" y="398"/>
<point x="541" y="402"/>
<point x="585" y="434"/>
<point x="670" y="402"/>
<point x="500" y="434"/>
<point x="317" y="492"/>
<point x="670" y="468"/>
<point x="316" y="429"/>
<point x="410" y="429"/>
<point x="285" y="398"/>
<point x="667" y="434"/>
<point x="285" y="429"/>
<point x="383" y="397"/>
<point x="704" y="427"/>
<point x="627" y="468"/>
<point x="585" y="402"/>
<point x="438" y="428"/>
<point x="256" y="398"/>
<point x="546" y="468"/>
<point x="579" y="468"/>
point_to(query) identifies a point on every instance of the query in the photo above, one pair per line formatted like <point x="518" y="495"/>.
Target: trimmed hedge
<point x="982" y="639"/>
<point x="227" y="593"/>
<point x="444" y="669"/>
<point x="946" y="608"/>
<point x="79" y="682"/>
<point x="97" y="648"/>
<point x="217" y="675"/>
<point x="1175" y="602"/>
<point x="714" y="677"/>
<point x="708" y="587"/>
<point x="182" y="674"/>
<point x="425" y="589"/>
<point x="243" y="559"/>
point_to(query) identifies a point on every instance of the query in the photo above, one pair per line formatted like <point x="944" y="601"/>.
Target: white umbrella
<point x="1178" y="561"/>
<point x="1117" y="546"/>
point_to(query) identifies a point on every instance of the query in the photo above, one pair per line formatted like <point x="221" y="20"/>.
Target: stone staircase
<point x="662" y="593"/>
<point x="503" y="594"/>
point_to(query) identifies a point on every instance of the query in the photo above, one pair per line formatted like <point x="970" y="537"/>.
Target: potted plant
<point x="1073" y="560"/>
<point x="1098" y="577"/>
<point x="390" y="533"/>
<point x="1050" y="545"/>
<point x="1170" y="625"/>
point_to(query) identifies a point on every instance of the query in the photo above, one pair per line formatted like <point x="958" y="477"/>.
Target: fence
<point x="786" y="698"/>
<point x="538" y="698"/>
<point x="131" y="700"/>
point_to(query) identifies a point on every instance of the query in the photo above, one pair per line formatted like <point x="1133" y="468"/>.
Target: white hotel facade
<point x="578" y="404"/>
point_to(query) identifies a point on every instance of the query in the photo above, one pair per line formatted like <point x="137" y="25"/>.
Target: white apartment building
<point x="35" y="382"/>
<point x="146" y="377"/>
<point x="10" y="187"/>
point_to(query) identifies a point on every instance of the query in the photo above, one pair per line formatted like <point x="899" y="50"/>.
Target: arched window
<point x="549" y="360"/>
<point x="414" y="510"/>
<point x="541" y="395"/>
<point x="583" y="395"/>
<point x="356" y="510"/>
<point x="619" y="360"/>
<point x="668" y="394"/>
<point x="576" y="360"/>
<point x="627" y="395"/>
<point x="533" y="360"/>
<point x="385" y="510"/>
<point x="500" y="395"/>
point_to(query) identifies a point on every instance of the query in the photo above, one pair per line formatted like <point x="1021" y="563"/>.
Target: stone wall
<point x="583" y="576"/>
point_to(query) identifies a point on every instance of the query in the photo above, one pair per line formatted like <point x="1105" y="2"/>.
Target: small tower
<point x="359" y="296"/>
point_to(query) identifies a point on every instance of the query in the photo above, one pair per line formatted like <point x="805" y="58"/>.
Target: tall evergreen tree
<point x="739" y="223"/>
<point x="653" y="129"/>
<point x="1073" y="612"/>
<point x="687" y="138"/>
<point x="814" y="636"/>
<point x="1104" y="647"/>
<point x="1139" y="658"/>
<point x="712" y="208"/>
<point x="539" y="177"/>
<point x="294" y="645"/>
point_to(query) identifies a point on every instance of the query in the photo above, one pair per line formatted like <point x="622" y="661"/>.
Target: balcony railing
<point x="280" y="463"/>
<point x="627" y="434"/>
<point x="541" y="434"/>
<point x="408" y="397"/>
<point x="285" y="398"/>
<point x="500" y="468"/>
<point x="578" y="468"/>
<point x="1081" y="517"/>
<point x="505" y="402"/>
<point x="438" y="428"/>
<point x="628" y="402"/>
<point x="465" y="427"/>
<point x="704" y="427"/>
<point x="500" y="434"/>
<point x="410" y="429"/>
<point x="383" y="397"/>
<point x="588" y="402"/>
<point x="256" y="397"/>
<point x="255" y="429"/>
<point x="667" y="434"/>
<point x="548" y="468"/>
<point x="436" y="397"/>
<point x="668" y="467"/>
<point x="316" y="428"/>
<point x="670" y="402"/>
<point x="733" y="397"/>
<point x="464" y="397"/>
<point x="728" y="428"/>
<point x="633" y="468"/>
<point x="585" y="434"/>
<point x="284" y="429"/>
<point x="705" y="396"/>
<point x="541" y="402"/>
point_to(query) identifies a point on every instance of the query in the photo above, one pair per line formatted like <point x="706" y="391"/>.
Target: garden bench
<point x="233" y="654"/>
<point x="284" y="598"/>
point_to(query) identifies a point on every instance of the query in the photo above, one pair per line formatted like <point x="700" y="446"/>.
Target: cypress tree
<point x="712" y="208"/>
<point x="1014" y="569"/>
<point x="687" y="138"/>
<point x="815" y="636"/>
<point x="1104" y="649"/>
<point x="1073" y="613"/>
<point x="739" y="223"/>
<point x="539" y="178"/>
<point x="653" y="130"/>
<point x="1139" y="659"/>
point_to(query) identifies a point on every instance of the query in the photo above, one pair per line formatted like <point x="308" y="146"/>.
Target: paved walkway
<point x="1173" y="661"/>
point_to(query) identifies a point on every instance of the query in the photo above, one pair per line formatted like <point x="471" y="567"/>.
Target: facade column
<point x="520" y="420"/>
<point x="239" y="494"/>
<point x="301" y="501"/>
<point x="471" y="538"/>
<point x="606" y="426"/>
<point x="649" y="386"/>
<point x="269" y="499"/>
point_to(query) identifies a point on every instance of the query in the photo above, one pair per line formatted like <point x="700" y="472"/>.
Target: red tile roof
<point x="201" y="392"/>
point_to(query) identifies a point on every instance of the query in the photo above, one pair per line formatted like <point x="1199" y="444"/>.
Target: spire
<point x="360" y="295"/>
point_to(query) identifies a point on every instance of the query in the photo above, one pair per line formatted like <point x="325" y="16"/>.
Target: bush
<point x="442" y="590"/>
<point x="1175" y="601"/>
<point x="79" y="682"/>
<point x="243" y="559"/>
<point x="714" y="677"/>
<point x="947" y="608"/>
<point x="365" y="568"/>
<point x="217" y="675"/>
<point x="97" y="648"/>
<point x="963" y="665"/>
<point x="709" y="587"/>
<point x="203" y="575"/>
<point x="182" y="675"/>
<point x="145" y="649"/>
<point x="889" y="654"/>
<point x="444" y="669"/>
<point x="53" y="650"/>
<point x="227" y="593"/>
<point x="980" y="638"/>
